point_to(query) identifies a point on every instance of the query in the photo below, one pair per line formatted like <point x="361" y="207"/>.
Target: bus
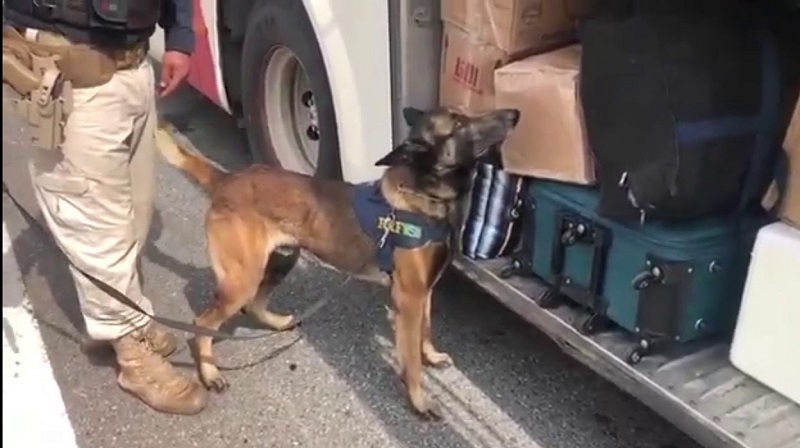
<point x="319" y="87"/>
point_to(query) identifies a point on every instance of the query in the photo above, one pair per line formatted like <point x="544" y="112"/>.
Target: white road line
<point x="34" y="415"/>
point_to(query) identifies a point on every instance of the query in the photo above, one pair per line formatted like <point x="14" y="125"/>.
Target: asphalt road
<point x="329" y="384"/>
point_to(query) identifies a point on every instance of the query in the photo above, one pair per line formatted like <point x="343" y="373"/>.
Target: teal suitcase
<point x="661" y="282"/>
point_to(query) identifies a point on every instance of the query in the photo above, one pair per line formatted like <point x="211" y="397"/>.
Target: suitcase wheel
<point x="550" y="299"/>
<point x="593" y="324"/>
<point x="636" y="353"/>
<point x="634" y="356"/>
<point x="514" y="268"/>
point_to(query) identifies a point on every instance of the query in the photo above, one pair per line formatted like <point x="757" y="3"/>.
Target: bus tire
<point x="277" y="32"/>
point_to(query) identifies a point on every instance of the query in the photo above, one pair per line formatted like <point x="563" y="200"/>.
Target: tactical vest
<point x="392" y="229"/>
<point x="124" y="16"/>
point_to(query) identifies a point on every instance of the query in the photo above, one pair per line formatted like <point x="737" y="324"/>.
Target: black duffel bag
<point x="683" y="106"/>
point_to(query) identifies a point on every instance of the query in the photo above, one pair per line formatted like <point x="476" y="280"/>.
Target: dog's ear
<point x="412" y="115"/>
<point x="403" y="154"/>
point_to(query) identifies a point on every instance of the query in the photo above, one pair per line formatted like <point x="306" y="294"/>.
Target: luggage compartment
<point x="692" y="385"/>
<point x="661" y="282"/>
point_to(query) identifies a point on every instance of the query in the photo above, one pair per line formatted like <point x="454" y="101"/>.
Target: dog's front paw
<point x="422" y="406"/>
<point x="212" y="379"/>
<point x="429" y="411"/>
<point x="439" y="360"/>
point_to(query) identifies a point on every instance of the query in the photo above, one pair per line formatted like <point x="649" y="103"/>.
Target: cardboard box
<point x="514" y="25"/>
<point x="550" y="140"/>
<point x="789" y="198"/>
<point x="792" y="140"/>
<point x="466" y="79"/>
<point x="790" y="207"/>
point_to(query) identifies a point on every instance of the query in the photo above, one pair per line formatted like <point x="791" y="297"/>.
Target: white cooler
<point x="766" y="342"/>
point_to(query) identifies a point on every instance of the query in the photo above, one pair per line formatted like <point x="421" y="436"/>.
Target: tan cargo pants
<point x="97" y="194"/>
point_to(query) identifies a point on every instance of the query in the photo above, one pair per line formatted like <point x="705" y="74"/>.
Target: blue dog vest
<point x="391" y="228"/>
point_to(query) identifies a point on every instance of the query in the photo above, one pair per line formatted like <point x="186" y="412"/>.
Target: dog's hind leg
<point x="238" y="252"/>
<point x="278" y="267"/>
<point x="219" y="312"/>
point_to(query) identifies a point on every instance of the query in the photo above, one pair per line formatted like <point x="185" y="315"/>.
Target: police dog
<point x="260" y="209"/>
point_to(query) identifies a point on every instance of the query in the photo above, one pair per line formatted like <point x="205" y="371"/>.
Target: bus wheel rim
<point x="290" y="112"/>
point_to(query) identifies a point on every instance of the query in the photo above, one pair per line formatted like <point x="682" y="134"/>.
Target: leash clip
<point x="391" y="218"/>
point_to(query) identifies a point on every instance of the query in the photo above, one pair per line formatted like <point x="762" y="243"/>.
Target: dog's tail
<point x="187" y="160"/>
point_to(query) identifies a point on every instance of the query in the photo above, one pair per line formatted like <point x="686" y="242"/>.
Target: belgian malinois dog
<point x="259" y="209"/>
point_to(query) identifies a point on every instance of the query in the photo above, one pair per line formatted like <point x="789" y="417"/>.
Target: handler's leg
<point x="87" y="199"/>
<point x="143" y="189"/>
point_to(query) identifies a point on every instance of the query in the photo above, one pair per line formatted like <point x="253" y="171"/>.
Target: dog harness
<point x="391" y="228"/>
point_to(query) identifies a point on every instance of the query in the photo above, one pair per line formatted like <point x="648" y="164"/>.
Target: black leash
<point x="165" y="321"/>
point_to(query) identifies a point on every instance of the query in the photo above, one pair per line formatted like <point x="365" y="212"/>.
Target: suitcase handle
<point x="572" y="230"/>
<point x="521" y="263"/>
<point x="647" y="277"/>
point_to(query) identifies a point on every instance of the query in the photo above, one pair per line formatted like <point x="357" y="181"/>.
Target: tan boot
<point x="151" y="378"/>
<point x="159" y="340"/>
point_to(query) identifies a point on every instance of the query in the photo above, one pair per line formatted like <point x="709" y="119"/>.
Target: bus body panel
<point x="356" y="56"/>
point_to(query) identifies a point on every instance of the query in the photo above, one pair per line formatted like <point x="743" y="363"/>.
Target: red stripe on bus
<point x="202" y="75"/>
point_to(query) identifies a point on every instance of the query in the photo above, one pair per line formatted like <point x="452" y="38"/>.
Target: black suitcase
<point x="683" y="105"/>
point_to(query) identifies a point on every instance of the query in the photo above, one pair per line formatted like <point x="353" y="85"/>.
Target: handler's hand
<point x="174" y="69"/>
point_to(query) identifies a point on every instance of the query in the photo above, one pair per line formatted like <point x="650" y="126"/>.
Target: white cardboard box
<point x="766" y="342"/>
